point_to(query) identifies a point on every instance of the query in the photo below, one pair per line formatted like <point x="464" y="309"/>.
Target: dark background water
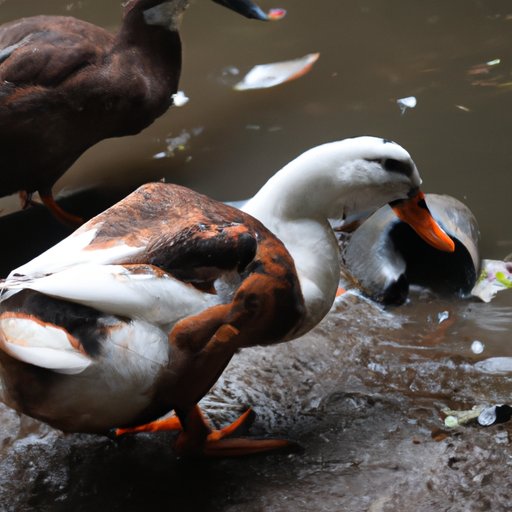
<point x="372" y="52"/>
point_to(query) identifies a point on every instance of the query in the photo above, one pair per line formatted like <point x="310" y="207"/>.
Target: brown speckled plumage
<point x="197" y="240"/>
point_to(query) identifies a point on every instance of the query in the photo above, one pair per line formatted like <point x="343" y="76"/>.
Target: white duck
<point x="139" y="311"/>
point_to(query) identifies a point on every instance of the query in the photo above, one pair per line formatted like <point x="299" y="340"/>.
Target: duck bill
<point x="414" y="211"/>
<point x="246" y="8"/>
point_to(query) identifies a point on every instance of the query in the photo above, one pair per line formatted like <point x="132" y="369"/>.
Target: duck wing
<point x="162" y="253"/>
<point x="141" y="292"/>
<point x="168" y="226"/>
<point x="47" y="50"/>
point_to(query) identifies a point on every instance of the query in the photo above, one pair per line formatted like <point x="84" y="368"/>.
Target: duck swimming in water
<point x="66" y="84"/>
<point x="139" y="311"/>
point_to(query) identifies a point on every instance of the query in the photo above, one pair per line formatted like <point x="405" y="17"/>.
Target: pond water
<point x="363" y="391"/>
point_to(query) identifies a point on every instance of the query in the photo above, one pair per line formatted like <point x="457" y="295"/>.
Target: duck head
<point x="384" y="256"/>
<point x="383" y="169"/>
<point x="347" y="178"/>
<point x="168" y="13"/>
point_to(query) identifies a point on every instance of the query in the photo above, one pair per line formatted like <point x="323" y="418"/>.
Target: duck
<point x="66" y="84"/>
<point x="396" y="257"/>
<point x="138" y="312"/>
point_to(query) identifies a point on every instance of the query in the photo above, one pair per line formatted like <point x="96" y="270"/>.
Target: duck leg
<point x="26" y="199"/>
<point x="59" y="213"/>
<point x="173" y="423"/>
<point x="163" y="425"/>
<point x="198" y="439"/>
<point x="203" y="344"/>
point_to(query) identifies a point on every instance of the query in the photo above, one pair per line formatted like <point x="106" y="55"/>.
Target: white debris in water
<point x="441" y="317"/>
<point x="495" y="276"/>
<point x="495" y="365"/>
<point x="264" y="76"/>
<point x="405" y="103"/>
<point x="179" y="99"/>
<point x="493" y="62"/>
<point x="69" y="7"/>
<point x="502" y="437"/>
<point x="477" y="347"/>
<point x="378" y="368"/>
<point x="488" y="416"/>
<point x="230" y="71"/>
<point x="178" y="143"/>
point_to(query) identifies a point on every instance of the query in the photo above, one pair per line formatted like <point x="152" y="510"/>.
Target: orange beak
<point x="415" y="212"/>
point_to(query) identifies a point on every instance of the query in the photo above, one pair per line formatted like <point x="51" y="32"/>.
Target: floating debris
<point x="179" y="99"/>
<point x="69" y="7"/>
<point x="230" y="71"/>
<point x="456" y="418"/>
<point x="258" y="127"/>
<point x="489" y="74"/>
<point x="229" y="76"/>
<point x="487" y="417"/>
<point x="495" y="365"/>
<point x="493" y="62"/>
<point x="502" y="437"/>
<point x="463" y="108"/>
<point x="178" y="143"/>
<point x="264" y="76"/>
<point x="495" y="414"/>
<point x="477" y="347"/>
<point x="405" y="103"/>
<point x="495" y="276"/>
<point x="441" y="317"/>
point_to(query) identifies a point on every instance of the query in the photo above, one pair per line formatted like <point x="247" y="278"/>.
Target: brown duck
<point x="66" y="84"/>
<point x="139" y="311"/>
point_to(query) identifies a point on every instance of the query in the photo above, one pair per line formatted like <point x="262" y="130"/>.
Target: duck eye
<point x="392" y="165"/>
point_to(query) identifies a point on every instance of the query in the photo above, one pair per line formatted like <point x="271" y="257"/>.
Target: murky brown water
<point x="367" y="382"/>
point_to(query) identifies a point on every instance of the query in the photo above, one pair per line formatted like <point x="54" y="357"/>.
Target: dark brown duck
<point x="66" y="84"/>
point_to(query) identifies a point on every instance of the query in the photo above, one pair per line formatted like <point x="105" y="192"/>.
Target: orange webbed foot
<point x="199" y="440"/>
<point x="242" y="447"/>
<point x="164" y="425"/>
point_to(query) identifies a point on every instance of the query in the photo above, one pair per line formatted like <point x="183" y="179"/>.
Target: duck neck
<point x="151" y="23"/>
<point x="286" y="206"/>
<point x="149" y="44"/>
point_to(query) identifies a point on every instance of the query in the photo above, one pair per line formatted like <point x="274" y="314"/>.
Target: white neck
<point x="332" y="181"/>
<point x="288" y="206"/>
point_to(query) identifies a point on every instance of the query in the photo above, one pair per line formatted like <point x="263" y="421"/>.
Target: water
<point x="362" y="392"/>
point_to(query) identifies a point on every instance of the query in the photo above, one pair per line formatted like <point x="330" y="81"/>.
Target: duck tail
<point x="33" y="341"/>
